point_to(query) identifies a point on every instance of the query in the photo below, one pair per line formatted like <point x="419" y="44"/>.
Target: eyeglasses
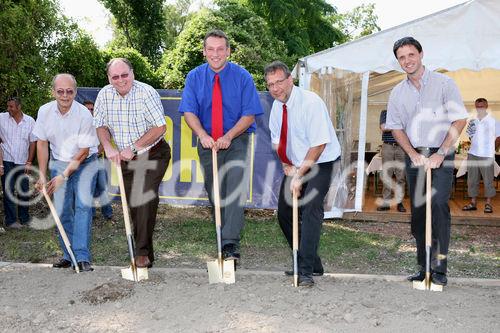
<point x="276" y="83"/>
<point x="67" y="92"/>
<point x="117" y="77"/>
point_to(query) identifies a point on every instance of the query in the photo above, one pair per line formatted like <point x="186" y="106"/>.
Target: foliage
<point x="176" y="16"/>
<point x="142" y="24"/>
<point x="302" y="25"/>
<point x="252" y="43"/>
<point x="360" y="21"/>
<point x="143" y="70"/>
<point x="77" y="53"/>
<point x="27" y="31"/>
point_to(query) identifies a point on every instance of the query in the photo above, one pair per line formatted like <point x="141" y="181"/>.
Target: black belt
<point x="426" y="151"/>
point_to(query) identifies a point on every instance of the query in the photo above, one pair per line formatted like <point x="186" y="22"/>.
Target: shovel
<point x="219" y="271"/>
<point x="295" y="240"/>
<point x="60" y="227"/>
<point x="427" y="284"/>
<point x="132" y="273"/>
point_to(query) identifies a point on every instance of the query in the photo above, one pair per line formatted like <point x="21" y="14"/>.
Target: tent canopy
<point x="466" y="36"/>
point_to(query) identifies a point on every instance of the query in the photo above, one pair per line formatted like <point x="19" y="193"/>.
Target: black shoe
<point x="306" y="281"/>
<point x="62" y="263"/>
<point x="84" y="266"/>
<point x="315" y="273"/>
<point x="383" y="208"/>
<point x="230" y="252"/>
<point x="439" y="278"/>
<point x="401" y="208"/>
<point x="419" y="276"/>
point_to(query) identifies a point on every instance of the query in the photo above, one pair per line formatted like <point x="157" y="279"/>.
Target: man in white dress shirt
<point x="482" y="132"/>
<point x="18" y="147"/>
<point x="305" y="140"/>
<point x="426" y="115"/>
<point x="67" y="126"/>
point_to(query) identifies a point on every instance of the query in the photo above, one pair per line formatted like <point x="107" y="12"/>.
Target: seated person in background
<point x="393" y="162"/>
<point x="481" y="157"/>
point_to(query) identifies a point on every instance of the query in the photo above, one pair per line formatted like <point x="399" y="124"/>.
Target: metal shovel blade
<point x="218" y="275"/>
<point x="426" y="284"/>
<point x="128" y="274"/>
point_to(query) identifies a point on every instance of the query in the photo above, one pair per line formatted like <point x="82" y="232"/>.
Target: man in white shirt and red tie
<point x="220" y="103"/>
<point x="482" y="132"/>
<point x="306" y="143"/>
<point x="18" y="146"/>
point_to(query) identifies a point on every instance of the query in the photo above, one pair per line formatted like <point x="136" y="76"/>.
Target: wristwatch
<point x="133" y="149"/>
<point x="441" y="151"/>
<point x="64" y="177"/>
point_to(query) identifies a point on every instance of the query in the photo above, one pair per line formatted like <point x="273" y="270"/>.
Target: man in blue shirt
<point x="219" y="103"/>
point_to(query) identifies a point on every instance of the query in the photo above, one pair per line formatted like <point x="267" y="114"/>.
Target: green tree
<point x="252" y="43"/>
<point x="77" y="53"/>
<point x="176" y="16"/>
<point x="143" y="71"/>
<point x="302" y="25"/>
<point x="141" y="23"/>
<point x="27" y="30"/>
<point x="358" y="22"/>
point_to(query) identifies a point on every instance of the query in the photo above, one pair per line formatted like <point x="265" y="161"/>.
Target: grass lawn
<point x="185" y="237"/>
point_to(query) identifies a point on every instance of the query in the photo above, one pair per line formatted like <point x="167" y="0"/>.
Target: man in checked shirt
<point x="131" y="113"/>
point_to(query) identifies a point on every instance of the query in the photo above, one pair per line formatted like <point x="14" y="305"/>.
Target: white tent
<point x="463" y="41"/>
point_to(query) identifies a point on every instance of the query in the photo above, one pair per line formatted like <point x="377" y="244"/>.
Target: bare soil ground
<point x="41" y="299"/>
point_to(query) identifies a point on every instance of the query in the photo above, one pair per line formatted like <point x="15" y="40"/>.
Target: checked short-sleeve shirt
<point x="129" y="117"/>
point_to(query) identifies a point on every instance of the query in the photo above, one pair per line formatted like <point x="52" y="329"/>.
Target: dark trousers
<point x="442" y="179"/>
<point x="311" y="214"/>
<point x="234" y="174"/>
<point x="15" y="193"/>
<point x="142" y="177"/>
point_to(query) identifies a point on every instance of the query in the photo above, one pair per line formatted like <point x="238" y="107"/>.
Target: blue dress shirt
<point x="239" y="95"/>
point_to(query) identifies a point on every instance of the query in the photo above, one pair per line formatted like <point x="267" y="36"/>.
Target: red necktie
<point x="217" y="122"/>
<point x="283" y="137"/>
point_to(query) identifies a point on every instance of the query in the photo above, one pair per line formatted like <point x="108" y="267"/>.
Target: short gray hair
<point x="61" y="75"/>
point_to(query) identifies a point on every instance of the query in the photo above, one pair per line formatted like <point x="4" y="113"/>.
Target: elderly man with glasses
<point x="66" y="126"/>
<point x="131" y="112"/>
<point x="305" y="140"/>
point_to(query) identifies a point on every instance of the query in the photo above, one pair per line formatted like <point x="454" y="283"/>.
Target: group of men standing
<point x="220" y="103"/>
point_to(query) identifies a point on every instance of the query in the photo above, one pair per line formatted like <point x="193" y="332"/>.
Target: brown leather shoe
<point x="142" y="262"/>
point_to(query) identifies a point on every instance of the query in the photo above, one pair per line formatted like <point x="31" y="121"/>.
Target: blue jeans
<point x="73" y="202"/>
<point x="15" y="198"/>
<point x="101" y="189"/>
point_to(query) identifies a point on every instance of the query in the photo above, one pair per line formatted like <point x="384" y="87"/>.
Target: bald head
<point x="63" y="76"/>
<point x="64" y="91"/>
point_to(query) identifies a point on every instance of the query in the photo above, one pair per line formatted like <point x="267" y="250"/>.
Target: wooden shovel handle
<point x="295" y="237"/>
<point x="60" y="227"/>
<point x="215" y="185"/>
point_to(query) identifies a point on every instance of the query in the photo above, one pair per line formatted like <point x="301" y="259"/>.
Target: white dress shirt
<point x="309" y="125"/>
<point x="67" y="133"/>
<point x="425" y="115"/>
<point x="16" y="138"/>
<point x="483" y="139"/>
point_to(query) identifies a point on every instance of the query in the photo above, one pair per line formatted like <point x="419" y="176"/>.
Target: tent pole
<point x="360" y="174"/>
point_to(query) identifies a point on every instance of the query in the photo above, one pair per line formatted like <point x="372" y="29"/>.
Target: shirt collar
<point x="70" y="111"/>
<point x="423" y="80"/>
<point x="222" y="73"/>
<point x="291" y="99"/>
<point x="23" y="118"/>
